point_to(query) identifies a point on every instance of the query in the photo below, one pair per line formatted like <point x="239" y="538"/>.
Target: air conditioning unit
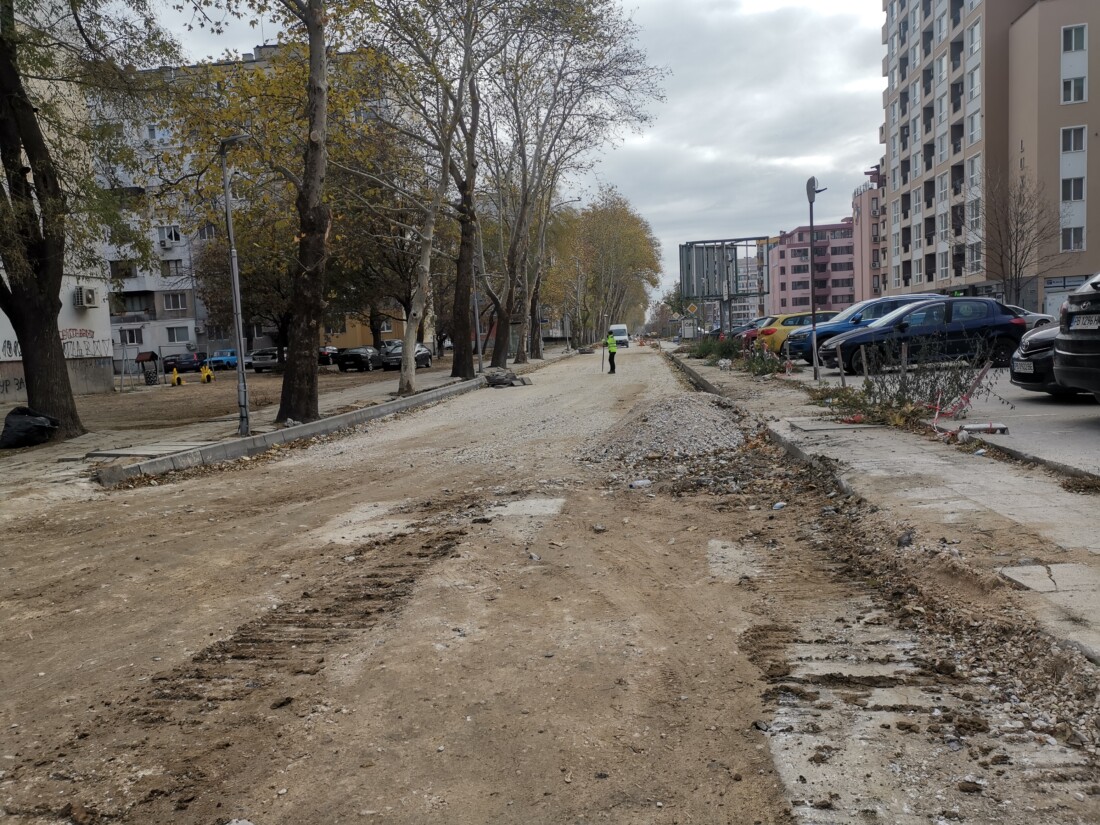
<point x="874" y="213"/>
<point x="165" y="244"/>
<point x="85" y="296"/>
<point x="200" y="330"/>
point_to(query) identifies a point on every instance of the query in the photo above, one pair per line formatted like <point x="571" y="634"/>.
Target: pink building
<point x="834" y="269"/>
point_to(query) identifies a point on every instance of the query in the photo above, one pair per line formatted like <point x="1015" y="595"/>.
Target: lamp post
<point x="811" y="194"/>
<point x="243" y="427"/>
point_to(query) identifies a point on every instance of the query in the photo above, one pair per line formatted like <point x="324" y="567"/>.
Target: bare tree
<point x="1019" y="228"/>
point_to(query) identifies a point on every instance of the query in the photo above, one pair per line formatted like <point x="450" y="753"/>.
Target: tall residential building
<point x="976" y="90"/>
<point x="1052" y="116"/>
<point x="869" y="235"/>
<point x="834" y="269"/>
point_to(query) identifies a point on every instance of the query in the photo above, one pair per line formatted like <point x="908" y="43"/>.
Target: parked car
<point x="359" y="358"/>
<point x="775" y="332"/>
<point x="223" y="359"/>
<point x="941" y="329"/>
<point x="1034" y="319"/>
<point x="265" y="359"/>
<point x="326" y="356"/>
<point x="184" y="362"/>
<point x="391" y="358"/>
<point x="1033" y="363"/>
<point x="747" y="336"/>
<point x="1077" y="347"/>
<point x="861" y="314"/>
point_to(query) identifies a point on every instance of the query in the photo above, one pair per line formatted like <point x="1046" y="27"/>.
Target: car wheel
<point x="1041" y="323"/>
<point x="427" y="362"/>
<point x="343" y="368"/>
<point x="1000" y="352"/>
<point x="370" y="366"/>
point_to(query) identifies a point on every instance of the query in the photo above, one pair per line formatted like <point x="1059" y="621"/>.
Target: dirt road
<point x="466" y="615"/>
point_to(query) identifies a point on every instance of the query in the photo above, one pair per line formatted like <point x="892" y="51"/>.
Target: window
<point x="179" y="335"/>
<point x="1073" y="189"/>
<point x="973" y="128"/>
<point x="337" y="327"/>
<point x="171" y="268"/>
<point x="941" y="148"/>
<point x="896" y="271"/>
<point x="974" y="256"/>
<point x="841" y="250"/>
<point x="1073" y="139"/>
<point x="168" y="234"/>
<point x="895" y="213"/>
<point x="974" y="171"/>
<point x="918" y="270"/>
<point x="974" y="215"/>
<point x="208" y="232"/>
<point x="941" y="109"/>
<point x="945" y="266"/>
<point x="175" y="300"/>
<point x="943" y="225"/>
<point x="1073" y="39"/>
<point x="387" y="326"/>
<point x="130" y="335"/>
<point x="974" y="37"/>
<point x="941" y="68"/>
<point x="840" y="300"/>
<point x="803" y="301"/>
<point x="941" y="188"/>
<point x="1073" y="90"/>
<point x="895" y="244"/>
<point x="1073" y="238"/>
<point x="800" y="285"/>
<point x="843" y="283"/>
<point x="800" y="269"/>
<point x="782" y="284"/>
<point x="151" y="132"/>
<point x="973" y="83"/>
<point x="842" y="266"/>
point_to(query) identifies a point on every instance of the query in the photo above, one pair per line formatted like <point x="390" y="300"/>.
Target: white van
<point x="622" y="338"/>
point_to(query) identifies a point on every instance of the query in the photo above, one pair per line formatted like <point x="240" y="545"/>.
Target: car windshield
<point x="224" y="352"/>
<point x="891" y="317"/>
<point x="850" y="311"/>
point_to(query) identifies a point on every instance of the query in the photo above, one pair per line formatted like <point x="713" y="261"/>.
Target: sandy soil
<point x="449" y="617"/>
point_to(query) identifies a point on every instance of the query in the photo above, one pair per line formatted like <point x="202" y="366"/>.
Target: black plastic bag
<point x="24" y="427"/>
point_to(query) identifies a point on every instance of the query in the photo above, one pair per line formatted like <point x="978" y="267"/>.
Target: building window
<point x="973" y="128"/>
<point x="945" y="266"/>
<point x="1073" y="90"/>
<point x="1073" y="139"/>
<point x="896" y="243"/>
<point x="130" y="335"/>
<point x="941" y="109"/>
<point x="151" y="131"/>
<point x="974" y="214"/>
<point x="974" y="171"/>
<point x="800" y="285"/>
<point x="974" y="256"/>
<point x="175" y="300"/>
<point x="801" y="302"/>
<point x="800" y="269"/>
<point x="208" y="232"/>
<point x="896" y="270"/>
<point x="1073" y="39"/>
<point x="841" y="250"/>
<point x="168" y="234"/>
<point x="974" y="37"/>
<point x="918" y="270"/>
<point x="941" y="188"/>
<point x="171" y="269"/>
<point x="895" y="213"/>
<point x="179" y="335"/>
<point x="1073" y="189"/>
<point x="387" y="326"/>
<point x="841" y="266"/>
<point x="974" y="83"/>
<point x="843" y="283"/>
<point x="337" y="327"/>
<point x="1073" y="239"/>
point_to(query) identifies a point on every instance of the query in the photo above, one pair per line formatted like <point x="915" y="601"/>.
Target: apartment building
<point x="1054" y="117"/>
<point x="833" y="269"/>
<point x="869" y="235"/>
<point x="980" y="90"/>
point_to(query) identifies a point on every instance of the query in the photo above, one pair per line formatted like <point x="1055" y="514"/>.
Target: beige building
<point x="869" y="235"/>
<point x="1054" y="116"/>
<point x="968" y="80"/>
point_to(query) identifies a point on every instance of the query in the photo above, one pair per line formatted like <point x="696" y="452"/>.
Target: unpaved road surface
<point x="466" y="614"/>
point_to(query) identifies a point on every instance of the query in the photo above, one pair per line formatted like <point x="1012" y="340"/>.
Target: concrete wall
<point x="87" y="376"/>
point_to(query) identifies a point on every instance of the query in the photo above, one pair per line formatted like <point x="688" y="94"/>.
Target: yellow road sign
<point x="692" y="308"/>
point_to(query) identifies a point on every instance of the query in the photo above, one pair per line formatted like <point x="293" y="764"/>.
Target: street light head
<point x="225" y="143"/>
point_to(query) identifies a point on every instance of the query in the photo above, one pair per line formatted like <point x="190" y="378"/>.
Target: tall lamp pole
<point x="811" y="194"/>
<point x="243" y="427"/>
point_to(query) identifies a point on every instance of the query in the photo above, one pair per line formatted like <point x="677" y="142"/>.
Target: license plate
<point x="1023" y="366"/>
<point x="1085" y="322"/>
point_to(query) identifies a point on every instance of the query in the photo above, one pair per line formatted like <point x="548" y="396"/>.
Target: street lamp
<point x="811" y="194"/>
<point x="243" y="427"/>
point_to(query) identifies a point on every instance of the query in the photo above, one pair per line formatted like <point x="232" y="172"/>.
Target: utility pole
<point x="811" y="194"/>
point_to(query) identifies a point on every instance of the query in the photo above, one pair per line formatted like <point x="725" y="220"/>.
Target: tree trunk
<point x="502" y="338"/>
<point x="49" y="390"/>
<point x="462" y="334"/>
<point x="299" y="395"/>
<point x="536" y="319"/>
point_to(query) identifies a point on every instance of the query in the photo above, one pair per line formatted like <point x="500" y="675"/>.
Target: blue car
<point x="973" y="329"/>
<point x="223" y="359"/>
<point x="861" y="314"/>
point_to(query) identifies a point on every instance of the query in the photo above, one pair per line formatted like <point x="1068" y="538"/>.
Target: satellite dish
<point x="190" y="347"/>
<point x="811" y="189"/>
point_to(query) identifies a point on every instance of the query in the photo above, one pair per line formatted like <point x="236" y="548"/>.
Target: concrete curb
<point x="695" y="378"/>
<point x="236" y="448"/>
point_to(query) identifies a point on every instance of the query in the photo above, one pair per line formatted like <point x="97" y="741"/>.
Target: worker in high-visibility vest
<point x="612" y="348"/>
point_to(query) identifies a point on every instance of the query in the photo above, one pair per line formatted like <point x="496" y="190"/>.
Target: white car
<point x="1033" y="319"/>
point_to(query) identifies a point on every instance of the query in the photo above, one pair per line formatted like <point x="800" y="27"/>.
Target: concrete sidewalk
<point x="927" y="479"/>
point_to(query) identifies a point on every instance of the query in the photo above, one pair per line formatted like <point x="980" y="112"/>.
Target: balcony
<point x="134" y="317"/>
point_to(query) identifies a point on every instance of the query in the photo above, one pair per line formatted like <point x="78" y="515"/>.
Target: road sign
<point x="692" y="308"/>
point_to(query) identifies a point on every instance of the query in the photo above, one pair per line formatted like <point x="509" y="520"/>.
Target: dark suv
<point x="1077" y="347"/>
<point x="185" y="362"/>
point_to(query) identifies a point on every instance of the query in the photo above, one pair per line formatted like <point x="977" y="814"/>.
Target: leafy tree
<point x="53" y="211"/>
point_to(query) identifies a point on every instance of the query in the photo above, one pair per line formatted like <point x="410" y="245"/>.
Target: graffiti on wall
<point x="10" y="386"/>
<point x="75" y="343"/>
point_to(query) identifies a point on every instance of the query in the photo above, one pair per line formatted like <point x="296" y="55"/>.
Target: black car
<point x="1033" y="363"/>
<point x="934" y="330"/>
<point x="359" y="358"/>
<point x="1077" y="346"/>
<point x="391" y="356"/>
<point x="326" y="356"/>
<point x="185" y="362"/>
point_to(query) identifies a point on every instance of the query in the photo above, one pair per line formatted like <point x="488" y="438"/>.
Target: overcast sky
<point x="762" y="94"/>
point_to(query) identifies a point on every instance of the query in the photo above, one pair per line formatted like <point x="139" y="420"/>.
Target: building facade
<point x="833" y="274"/>
<point x="977" y="91"/>
<point x="869" y="235"/>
